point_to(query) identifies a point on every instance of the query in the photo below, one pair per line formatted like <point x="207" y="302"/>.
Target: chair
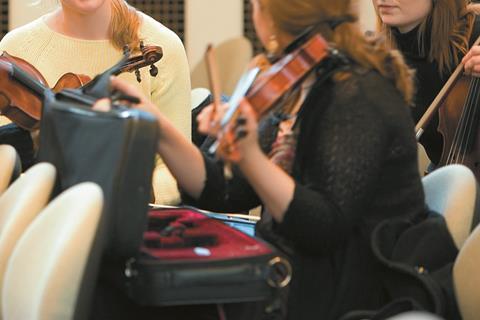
<point x="19" y="205"/>
<point x="415" y="315"/>
<point x="452" y="190"/>
<point x="466" y="277"/>
<point x="45" y="270"/>
<point x="199" y="97"/>
<point x="10" y="166"/>
<point x="232" y="57"/>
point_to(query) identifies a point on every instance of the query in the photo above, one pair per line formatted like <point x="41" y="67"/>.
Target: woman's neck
<point x="87" y="26"/>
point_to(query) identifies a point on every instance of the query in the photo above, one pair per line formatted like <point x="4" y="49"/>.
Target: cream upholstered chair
<point x="415" y="315"/>
<point x="9" y="163"/>
<point x="45" y="270"/>
<point x="232" y="58"/>
<point x="19" y="205"/>
<point x="199" y="95"/>
<point x="452" y="191"/>
<point x="200" y="98"/>
<point x="466" y="277"/>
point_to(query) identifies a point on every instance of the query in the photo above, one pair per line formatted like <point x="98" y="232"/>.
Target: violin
<point x="22" y="86"/>
<point x="459" y="120"/>
<point x="266" y="92"/>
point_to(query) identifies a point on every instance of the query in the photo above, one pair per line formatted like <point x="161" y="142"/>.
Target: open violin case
<point x="188" y="257"/>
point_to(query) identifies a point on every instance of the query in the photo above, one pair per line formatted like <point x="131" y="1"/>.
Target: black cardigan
<point x="355" y="166"/>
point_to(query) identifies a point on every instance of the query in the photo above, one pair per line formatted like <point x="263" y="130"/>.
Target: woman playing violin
<point x="87" y="37"/>
<point x="327" y="169"/>
<point x="434" y="36"/>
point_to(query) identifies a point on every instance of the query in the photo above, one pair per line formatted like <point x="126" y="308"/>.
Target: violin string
<point x="474" y="120"/>
<point x="456" y="146"/>
<point x="468" y="126"/>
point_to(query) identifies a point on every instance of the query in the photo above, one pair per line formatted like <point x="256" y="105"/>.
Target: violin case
<point x="189" y="257"/>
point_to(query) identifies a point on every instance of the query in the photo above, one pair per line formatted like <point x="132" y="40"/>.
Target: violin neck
<point x="25" y="79"/>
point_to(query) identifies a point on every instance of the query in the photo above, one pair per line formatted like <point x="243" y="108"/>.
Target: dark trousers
<point x="21" y="140"/>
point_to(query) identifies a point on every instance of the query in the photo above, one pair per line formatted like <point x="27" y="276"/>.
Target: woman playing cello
<point x="434" y="36"/>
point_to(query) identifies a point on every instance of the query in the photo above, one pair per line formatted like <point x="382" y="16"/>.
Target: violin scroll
<point x="148" y="56"/>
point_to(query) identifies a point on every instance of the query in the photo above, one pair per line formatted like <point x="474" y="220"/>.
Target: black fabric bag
<point x="114" y="149"/>
<point x="417" y="259"/>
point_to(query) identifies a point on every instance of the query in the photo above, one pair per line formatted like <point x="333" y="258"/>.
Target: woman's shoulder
<point x="155" y="33"/>
<point x="22" y="34"/>
<point x="362" y="83"/>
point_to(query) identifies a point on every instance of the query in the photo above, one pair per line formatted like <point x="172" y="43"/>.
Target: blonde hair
<point x="294" y="16"/>
<point x="124" y="25"/>
<point x="451" y="20"/>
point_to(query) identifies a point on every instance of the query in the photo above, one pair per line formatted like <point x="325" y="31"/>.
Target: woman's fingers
<point x="127" y="88"/>
<point x="102" y="105"/>
<point x="210" y="118"/>
<point x="471" y="61"/>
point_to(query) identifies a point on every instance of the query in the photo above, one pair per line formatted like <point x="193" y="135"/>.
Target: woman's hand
<point x="471" y="61"/>
<point x="125" y="88"/>
<point x="130" y="90"/>
<point x="239" y="138"/>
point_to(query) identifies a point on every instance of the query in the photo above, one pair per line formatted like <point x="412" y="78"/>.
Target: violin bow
<point x="437" y="102"/>
<point x="213" y="79"/>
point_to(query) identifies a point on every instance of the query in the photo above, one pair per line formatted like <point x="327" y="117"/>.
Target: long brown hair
<point x="294" y="16"/>
<point x="449" y="20"/>
<point x="124" y="25"/>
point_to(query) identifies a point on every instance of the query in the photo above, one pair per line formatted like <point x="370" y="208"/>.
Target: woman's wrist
<point x="251" y="155"/>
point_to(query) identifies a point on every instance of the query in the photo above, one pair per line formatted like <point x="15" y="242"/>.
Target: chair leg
<point x="466" y="277"/>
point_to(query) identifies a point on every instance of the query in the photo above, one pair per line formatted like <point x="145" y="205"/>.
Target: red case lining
<point x="184" y="234"/>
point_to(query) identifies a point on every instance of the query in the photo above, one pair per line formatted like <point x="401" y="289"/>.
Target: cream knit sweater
<point x="55" y="54"/>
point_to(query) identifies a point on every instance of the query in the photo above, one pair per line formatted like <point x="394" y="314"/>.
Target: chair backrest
<point x="466" y="277"/>
<point x="20" y="204"/>
<point x="199" y="96"/>
<point x="452" y="191"/>
<point x="9" y="162"/>
<point x="45" y="270"/>
<point x="232" y="57"/>
<point x="415" y="315"/>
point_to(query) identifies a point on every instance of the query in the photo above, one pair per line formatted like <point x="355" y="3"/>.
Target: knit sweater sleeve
<point x="170" y="92"/>
<point x="339" y="172"/>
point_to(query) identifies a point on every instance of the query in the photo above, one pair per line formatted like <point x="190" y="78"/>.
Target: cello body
<point x="459" y="124"/>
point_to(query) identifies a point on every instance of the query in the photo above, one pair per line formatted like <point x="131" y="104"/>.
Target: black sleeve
<point x="221" y="194"/>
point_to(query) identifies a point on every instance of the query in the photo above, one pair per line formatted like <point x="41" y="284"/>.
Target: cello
<point x="459" y="120"/>
<point x="22" y="86"/>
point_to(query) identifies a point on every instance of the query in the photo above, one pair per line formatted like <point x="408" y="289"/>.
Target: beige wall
<point x="24" y="11"/>
<point x="210" y="21"/>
